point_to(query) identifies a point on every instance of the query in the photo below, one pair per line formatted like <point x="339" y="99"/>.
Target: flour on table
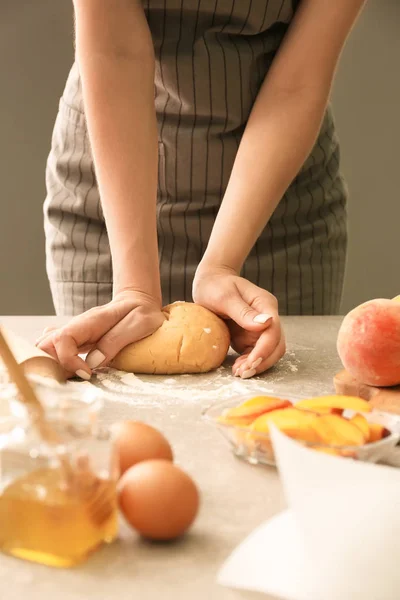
<point x="216" y="385"/>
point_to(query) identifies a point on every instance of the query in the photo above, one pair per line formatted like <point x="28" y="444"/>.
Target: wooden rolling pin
<point x="382" y="398"/>
<point x="33" y="360"/>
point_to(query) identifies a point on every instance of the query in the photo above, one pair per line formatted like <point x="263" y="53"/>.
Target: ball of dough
<point x="192" y="339"/>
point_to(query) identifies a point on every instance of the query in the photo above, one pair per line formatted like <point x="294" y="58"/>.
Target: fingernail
<point x="236" y="374"/>
<point x="262" y="318"/>
<point x="248" y="373"/>
<point x="83" y="375"/>
<point x="94" y="359"/>
<point x="256" y="363"/>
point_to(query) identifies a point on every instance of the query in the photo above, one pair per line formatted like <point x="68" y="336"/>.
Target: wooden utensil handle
<point x="28" y="395"/>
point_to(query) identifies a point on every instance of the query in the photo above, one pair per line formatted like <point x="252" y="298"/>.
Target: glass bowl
<point x="256" y="447"/>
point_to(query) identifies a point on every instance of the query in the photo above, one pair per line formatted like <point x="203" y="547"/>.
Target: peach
<point x="294" y="423"/>
<point x="248" y="411"/>
<point x="327" y="450"/>
<point x="368" y="342"/>
<point x="338" y="431"/>
<point x="361" y="422"/>
<point x="336" y="402"/>
<point x="376" y="432"/>
<point x="322" y="410"/>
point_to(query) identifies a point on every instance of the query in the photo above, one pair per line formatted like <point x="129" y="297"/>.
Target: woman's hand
<point x="102" y="332"/>
<point x="255" y="326"/>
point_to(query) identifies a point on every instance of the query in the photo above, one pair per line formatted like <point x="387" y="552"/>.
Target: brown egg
<point x="158" y="499"/>
<point x="137" y="441"/>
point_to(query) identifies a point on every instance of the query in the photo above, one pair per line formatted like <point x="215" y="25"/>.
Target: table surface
<point x="236" y="497"/>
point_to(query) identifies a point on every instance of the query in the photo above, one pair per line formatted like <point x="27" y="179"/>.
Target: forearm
<point x="282" y="127"/>
<point x="117" y="70"/>
<point x="280" y="134"/>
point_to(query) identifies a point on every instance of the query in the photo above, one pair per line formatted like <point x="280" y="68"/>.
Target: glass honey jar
<point x="58" y="500"/>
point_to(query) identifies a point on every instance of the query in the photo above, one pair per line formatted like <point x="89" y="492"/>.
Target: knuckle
<point x="58" y="336"/>
<point x="119" y="310"/>
<point x="109" y="341"/>
<point x="245" y="311"/>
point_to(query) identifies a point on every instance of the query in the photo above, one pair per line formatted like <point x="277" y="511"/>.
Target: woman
<point x="203" y="127"/>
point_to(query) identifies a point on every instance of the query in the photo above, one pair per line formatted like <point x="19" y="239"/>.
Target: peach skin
<point x="368" y="342"/>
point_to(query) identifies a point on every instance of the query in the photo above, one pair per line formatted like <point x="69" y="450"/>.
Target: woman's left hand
<point x="252" y="315"/>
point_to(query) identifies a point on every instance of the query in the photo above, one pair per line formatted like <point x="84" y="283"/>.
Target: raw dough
<point x="191" y="340"/>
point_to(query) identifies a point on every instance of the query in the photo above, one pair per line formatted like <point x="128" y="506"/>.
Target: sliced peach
<point x="322" y="410"/>
<point x="361" y="422"/>
<point x="295" y="423"/>
<point x="376" y="432"/>
<point x="246" y="413"/>
<point x="342" y="402"/>
<point x="336" y="452"/>
<point x="337" y="431"/>
<point x="327" y="450"/>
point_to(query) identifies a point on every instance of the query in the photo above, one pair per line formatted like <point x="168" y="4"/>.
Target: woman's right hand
<point x="102" y="332"/>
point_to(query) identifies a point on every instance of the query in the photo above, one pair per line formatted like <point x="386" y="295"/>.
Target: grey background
<point x="35" y="56"/>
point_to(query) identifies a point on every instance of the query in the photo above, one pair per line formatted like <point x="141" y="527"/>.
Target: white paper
<point x="344" y="524"/>
<point x="271" y="560"/>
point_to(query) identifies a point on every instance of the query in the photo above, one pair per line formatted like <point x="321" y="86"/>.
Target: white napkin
<point x="339" y="541"/>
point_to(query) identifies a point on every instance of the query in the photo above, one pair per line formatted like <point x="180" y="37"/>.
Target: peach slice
<point x="361" y="422"/>
<point x="376" y="432"/>
<point x="342" y="402"/>
<point x="294" y="423"/>
<point x="322" y="410"/>
<point x="246" y="413"/>
<point x="327" y="450"/>
<point x="337" y="431"/>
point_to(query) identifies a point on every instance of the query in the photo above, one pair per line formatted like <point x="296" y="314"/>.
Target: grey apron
<point x="211" y="59"/>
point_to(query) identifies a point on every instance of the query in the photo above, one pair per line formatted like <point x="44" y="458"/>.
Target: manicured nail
<point x="262" y="319"/>
<point x="257" y="363"/>
<point x="94" y="359"/>
<point x="83" y="375"/>
<point x="248" y="373"/>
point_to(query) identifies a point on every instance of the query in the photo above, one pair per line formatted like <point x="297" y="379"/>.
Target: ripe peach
<point x="369" y="342"/>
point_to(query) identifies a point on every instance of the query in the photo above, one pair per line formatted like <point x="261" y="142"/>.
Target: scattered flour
<point x="217" y="385"/>
<point x="158" y="390"/>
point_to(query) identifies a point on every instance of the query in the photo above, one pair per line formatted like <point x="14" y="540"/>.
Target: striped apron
<point x="211" y="59"/>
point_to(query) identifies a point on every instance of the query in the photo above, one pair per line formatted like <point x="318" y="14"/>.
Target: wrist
<point x="144" y="282"/>
<point x="216" y="264"/>
<point x="143" y="296"/>
<point x="208" y="271"/>
<point x="135" y="267"/>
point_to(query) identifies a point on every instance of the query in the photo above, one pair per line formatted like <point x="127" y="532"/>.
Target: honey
<point x="42" y="521"/>
<point x="58" y="499"/>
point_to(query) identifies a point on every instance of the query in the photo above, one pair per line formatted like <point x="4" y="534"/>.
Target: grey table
<point x="236" y="497"/>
